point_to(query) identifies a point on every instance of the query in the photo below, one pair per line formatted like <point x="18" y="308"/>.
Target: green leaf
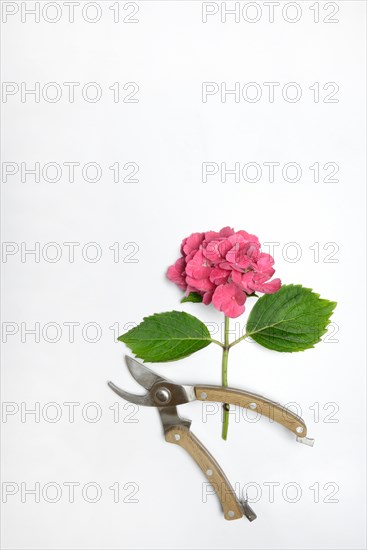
<point x="167" y="337"/>
<point x="292" y="319"/>
<point x="192" y="297"/>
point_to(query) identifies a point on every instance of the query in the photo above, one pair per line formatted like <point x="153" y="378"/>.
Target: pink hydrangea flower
<point x="230" y="299"/>
<point x="224" y="268"/>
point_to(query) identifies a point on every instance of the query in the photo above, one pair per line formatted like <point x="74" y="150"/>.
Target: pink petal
<point x="200" y="285"/>
<point x="244" y="280"/>
<point x="192" y="243"/>
<point x="222" y="234"/>
<point x="198" y="267"/>
<point x="207" y="298"/>
<point x="176" y="273"/>
<point x="219" y="276"/>
<point x="269" y="288"/>
<point x="226" y="231"/>
<point x="247" y="237"/>
<point x="212" y="253"/>
<point x="264" y="262"/>
<point x="230" y="299"/>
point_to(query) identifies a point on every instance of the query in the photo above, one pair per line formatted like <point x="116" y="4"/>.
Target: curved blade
<point x="142" y="374"/>
<point x="144" y="400"/>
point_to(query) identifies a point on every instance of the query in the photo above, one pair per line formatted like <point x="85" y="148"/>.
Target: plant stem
<point x="245" y="335"/>
<point x="217" y="342"/>
<point x="238" y="340"/>
<point x="225" y="376"/>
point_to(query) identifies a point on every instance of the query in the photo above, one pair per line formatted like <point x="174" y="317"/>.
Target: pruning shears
<point x="166" y="396"/>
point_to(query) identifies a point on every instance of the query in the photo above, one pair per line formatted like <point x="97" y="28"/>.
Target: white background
<point x="169" y="133"/>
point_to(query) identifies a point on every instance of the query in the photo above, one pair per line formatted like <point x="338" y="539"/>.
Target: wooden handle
<point x="247" y="400"/>
<point x="180" y="435"/>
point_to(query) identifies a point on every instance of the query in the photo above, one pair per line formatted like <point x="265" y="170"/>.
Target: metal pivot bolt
<point x="163" y="395"/>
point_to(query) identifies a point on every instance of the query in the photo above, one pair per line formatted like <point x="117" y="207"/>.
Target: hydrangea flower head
<point x="224" y="268"/>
